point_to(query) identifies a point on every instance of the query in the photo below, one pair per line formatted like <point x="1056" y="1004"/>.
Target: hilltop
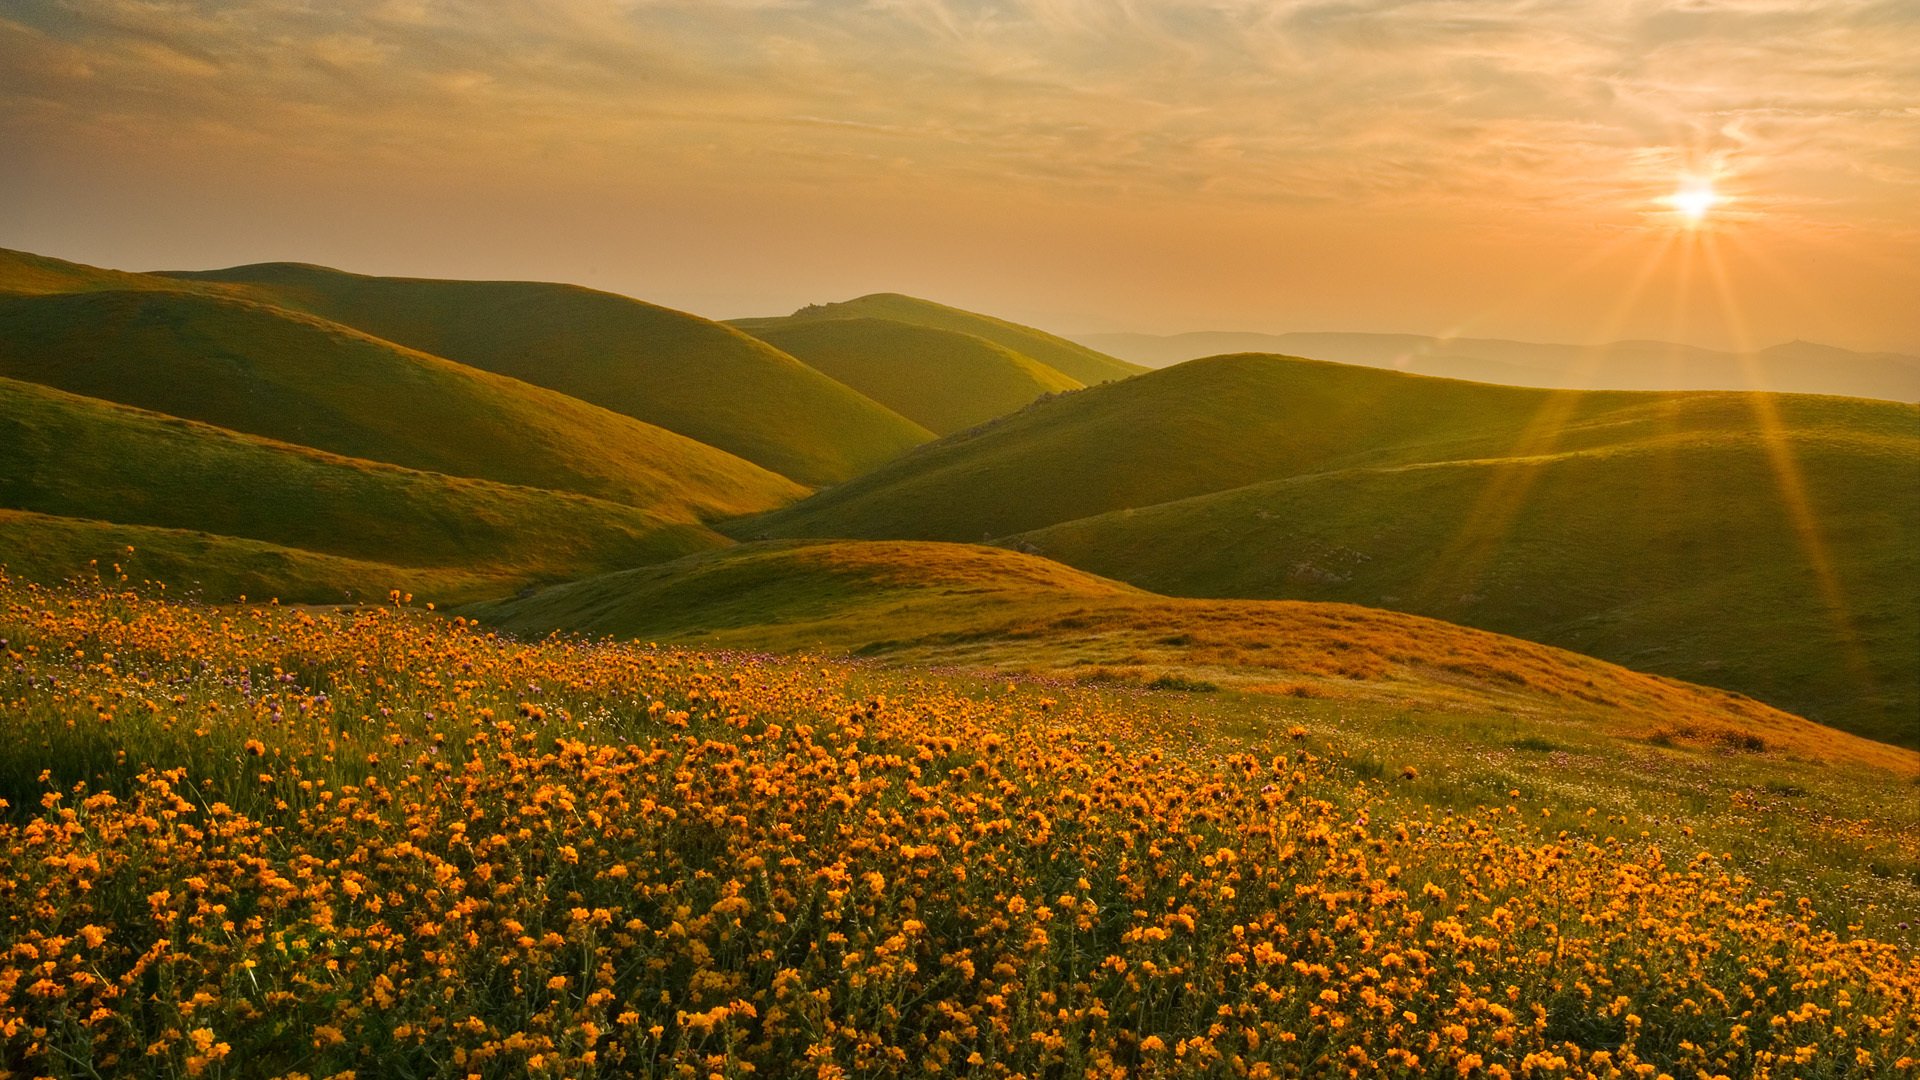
<point x="1074" y="360"/>
<point x="295" y="378"/>
<point x="678" y="371"/>
<point x="943" y="380"/>
<point x="1188" y="430"/>
<point x="1794" y="367"/>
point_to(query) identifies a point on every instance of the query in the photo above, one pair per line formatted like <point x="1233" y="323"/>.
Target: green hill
<point x="1169" y="434"/>
<point x="701" y="379"/>
<point x="1070" y="358"/>
<point x="1679" y="555"/>
<point x="295" y="378"/>
<point x="943" y="380"/>
<point x="23" y="273"/>
<point x="970" y="607"/>
<point x="1646" y="528"/>
<point x="75" y="457"/>
<point x="47" y="549"/>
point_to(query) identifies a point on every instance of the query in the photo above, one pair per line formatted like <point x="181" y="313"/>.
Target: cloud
<point x="1527" y="116"/>
<point x="1315" y="99"/>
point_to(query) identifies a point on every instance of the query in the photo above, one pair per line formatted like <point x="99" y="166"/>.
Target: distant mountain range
<point x="1801" y="367"/>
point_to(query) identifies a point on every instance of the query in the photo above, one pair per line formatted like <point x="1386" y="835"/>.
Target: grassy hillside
<point x="940" y="379"/>
<point x="701" y="379"/>
<point x="435" y="845"/>
<point x="76" y="457"/>
<point x="975" y="607"/>
<point x="1678" y="555"/>
<point x="1650" y="526"/>
<point x="1199" y="427"/>
<point x="262" y="370"/>
<point x="47" y="549"/>
<point x="1067" y="357"/>
<point x="23" y="273"/>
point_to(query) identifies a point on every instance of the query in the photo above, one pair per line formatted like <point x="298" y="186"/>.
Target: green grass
<point x="1646" y="528"/>
<point x="295" y="378"/>
<point x="1067" y="357"/>
<point x="970" y="607"/>
<point x="699" y="378"/>
<point x="1673" y="556"/>
<point x="943" y="380"/>
<point x="74" y="457"/>
<point x="185" y="563"/>
<point x="23" y="273"/>
<point x="1200" y="427"/>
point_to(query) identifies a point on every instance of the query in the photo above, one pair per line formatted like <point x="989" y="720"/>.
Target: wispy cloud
<point x="1489" y="110"/>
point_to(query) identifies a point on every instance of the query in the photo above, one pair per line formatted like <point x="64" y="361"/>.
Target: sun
<point x="1694" y="201"/>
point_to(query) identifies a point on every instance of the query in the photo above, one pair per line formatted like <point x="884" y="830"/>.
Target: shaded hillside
<point x="1067" y="357"/>
<point x="974" y="607"/>
<point x="940" y="379"/>
<point x="265" y="371"/>
<point x="76" y="457"/>
<point x="699" y="378"/>
<point x="1795" y="367"/>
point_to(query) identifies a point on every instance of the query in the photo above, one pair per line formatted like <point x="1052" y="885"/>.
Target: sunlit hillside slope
<point x="1758" y="543"/>
<point x="295" y="378"/>
<point x="372" y="840"/>
<point x="977" y="607"/>
<point x="74" y="457"/>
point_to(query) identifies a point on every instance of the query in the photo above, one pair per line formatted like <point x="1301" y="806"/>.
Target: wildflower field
<point x="256" y="840"/>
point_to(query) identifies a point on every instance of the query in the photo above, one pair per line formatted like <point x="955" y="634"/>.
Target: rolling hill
<point x="23" y="273"/>
<point x="1795" y="367"/>
<point x="48" y="549"/>
<point x="1070" y="358"/>
<point x="1188" y="430"/>
<point x="943" y="380"/>
<point x="689" y="375"/>
<point x="298" y="379"/>
<point x="959" y="605"/>
<point x="1762" y="544"/>
<point x="74" y="457"/>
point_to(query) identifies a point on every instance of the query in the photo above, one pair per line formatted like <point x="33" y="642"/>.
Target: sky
<point x="1477" y="167"/>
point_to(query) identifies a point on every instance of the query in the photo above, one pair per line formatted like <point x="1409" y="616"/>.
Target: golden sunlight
<point x="1694" y="201"/>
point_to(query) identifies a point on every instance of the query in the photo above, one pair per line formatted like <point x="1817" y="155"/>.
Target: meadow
<point x="248" y="840"/>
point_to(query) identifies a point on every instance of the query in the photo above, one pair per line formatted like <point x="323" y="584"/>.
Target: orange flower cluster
<point x="268" y="841"/>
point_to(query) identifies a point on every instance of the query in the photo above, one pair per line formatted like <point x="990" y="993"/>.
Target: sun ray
<point x="1788" y="478"/>
<point x="1482" y="528"/>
